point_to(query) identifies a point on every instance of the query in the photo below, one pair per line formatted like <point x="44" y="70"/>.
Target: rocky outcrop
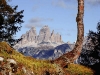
<point x="45" y="37"/>
<point x="11" y="67"/>
<point x="30" y="36"/>
<point x="55" y="37"/>
<point x="52" y="36"/>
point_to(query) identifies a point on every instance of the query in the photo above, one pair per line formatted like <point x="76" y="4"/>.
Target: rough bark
<point x="71" y="56"/>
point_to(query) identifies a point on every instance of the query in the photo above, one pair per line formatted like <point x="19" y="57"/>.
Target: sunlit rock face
<point x="30" y="36"/>
<point x="55" y="37"/>
<point x="44" y="35"/>
<point x="45" y="38"/>
<point x="46" y="45"/>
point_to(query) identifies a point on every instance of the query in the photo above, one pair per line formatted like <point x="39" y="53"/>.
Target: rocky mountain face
<point x="46" y="45"/>
<point x="45" y="52"/>
<point x="30" y="36"/>
<point x="45" y="37"/>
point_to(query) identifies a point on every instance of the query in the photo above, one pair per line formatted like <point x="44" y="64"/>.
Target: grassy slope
<point x="40" y="66"/>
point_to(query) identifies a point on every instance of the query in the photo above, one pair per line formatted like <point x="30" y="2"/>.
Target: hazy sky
<point x="59" y="15"/>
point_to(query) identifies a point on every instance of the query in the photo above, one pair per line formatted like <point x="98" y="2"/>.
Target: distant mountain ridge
<point x="45" y="52"/>
<point x="45" y="37"/>
<point x="46" y="45"/>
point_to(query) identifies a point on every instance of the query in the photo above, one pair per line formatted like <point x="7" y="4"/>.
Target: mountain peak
<point x="30" y="38"/>
<point x="33" y="28"/>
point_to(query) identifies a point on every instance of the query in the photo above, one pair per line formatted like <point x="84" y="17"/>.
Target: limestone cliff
<point x="45" y="37"/>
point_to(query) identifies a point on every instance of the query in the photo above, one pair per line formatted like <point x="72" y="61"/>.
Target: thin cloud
<point x="67" y="4"/>
<point x="60" y="3"/>
<point x="34" y="20"/>
<point x="37" y="19"/>
<point x="71" y="4"/>
<point x="37" y="22"/>
<point x="34" y="25"/>
<point x="93" y="2"/>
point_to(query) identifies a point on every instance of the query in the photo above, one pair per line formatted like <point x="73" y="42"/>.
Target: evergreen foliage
<point x="91" y="56"/>
<point x="10" y="22"/>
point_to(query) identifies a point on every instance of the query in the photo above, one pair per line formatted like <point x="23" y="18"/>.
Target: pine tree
<point x="10" y="22"/>
<point x="90" y="55"/>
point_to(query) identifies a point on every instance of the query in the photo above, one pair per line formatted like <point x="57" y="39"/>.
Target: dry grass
<point x="76" y="69"/>
<point x="35" y="65"/>
<point x="39" y="66"/>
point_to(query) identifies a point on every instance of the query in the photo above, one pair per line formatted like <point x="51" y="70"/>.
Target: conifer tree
<point x="90" y="55"/>
<point x="10" y="22"/>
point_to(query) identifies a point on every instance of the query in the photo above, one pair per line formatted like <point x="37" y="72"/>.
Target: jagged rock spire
<point x="45" y="35"/>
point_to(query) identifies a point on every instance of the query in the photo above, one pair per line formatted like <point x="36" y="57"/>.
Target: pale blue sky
<point x="59" y="15"/>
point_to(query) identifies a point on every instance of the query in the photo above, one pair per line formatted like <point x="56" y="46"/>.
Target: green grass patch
<point x="76" y="69"/>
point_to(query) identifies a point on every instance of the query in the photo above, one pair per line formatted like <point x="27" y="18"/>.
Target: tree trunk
<point x="71" y="56"/>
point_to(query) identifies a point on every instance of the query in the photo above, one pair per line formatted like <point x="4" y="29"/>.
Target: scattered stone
<point x="1" y="58"/>
<point x="11" y="61"/>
